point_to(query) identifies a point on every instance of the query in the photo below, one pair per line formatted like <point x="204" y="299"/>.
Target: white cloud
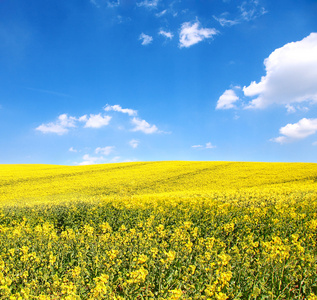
<point x="142" y="125"/>
<point x="210" y="146"/>
<point x="134" y="143"/>
<point x="64" y="123"/>
<point x="226" y="22"/>
<point x="71" y="149"/>
<point x="118" y="108"/>
<point x="94" y="2"/>
<point x="96" y="121"/>
<point x="166" y="34"/>
<point x="300" y="130"/>
<point x="83" y="118"/>
<point x="115" y="159"/>
<point x="251" y="10"/>
<point x="148" y="3"/>
<point x="314" y="143"/>
<point x="113" y="3"/>
<point x="207" y="146"/>
<point x="192" y="34"/>
<point x="290" y="108"/>
<point x="105" y="150"/>
<point x="291" y="75"/>
<point x="60" y="126"/>
<point x="227" y="100"/>
<point x="90" y="160"/>
<point x="162" y="13"/>
<point x="146" y="39"/>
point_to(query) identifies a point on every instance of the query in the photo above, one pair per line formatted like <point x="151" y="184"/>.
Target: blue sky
<point x="102" y="81"/>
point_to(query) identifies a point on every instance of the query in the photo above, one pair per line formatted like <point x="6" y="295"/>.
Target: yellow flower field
<point x="159" y="230"/>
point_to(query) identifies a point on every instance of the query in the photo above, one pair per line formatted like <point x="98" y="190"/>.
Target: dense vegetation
<point x="165" y="230"/>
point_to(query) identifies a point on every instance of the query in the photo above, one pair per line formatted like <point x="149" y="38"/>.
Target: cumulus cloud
<point x="90" y="160"/>
<point x="291" y="76"/>
<point x="95" y="121"/>
<point x="148" y="3"/>
<point x="192" y="33"/>
<point x="146" y="39"/>
<point x="118" y="108"/>
<point x="134" y="143"/>
<point x="142" y="125"/>
<point x="166" y="34"/>
<point x="64" y="123"/>
<point x="227" y="100"/>
<point x="300" y="130"/>
<point x="61" y="126"/>
<point x="208" y="145"/>
<point x="105" y="150"/>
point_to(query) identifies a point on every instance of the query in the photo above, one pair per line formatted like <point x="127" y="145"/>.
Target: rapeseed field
<point x="159" y="230"/>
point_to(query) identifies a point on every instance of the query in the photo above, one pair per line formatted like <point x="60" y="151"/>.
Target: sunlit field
<point x="159" y="230"/>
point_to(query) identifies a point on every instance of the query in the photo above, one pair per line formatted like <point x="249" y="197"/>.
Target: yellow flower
<point x="221" y="296"/>
<point x="225" y="258"/>
<point x="142" y="259"/>
<point x="176" y="294"/>
<point x="138" y="276"/>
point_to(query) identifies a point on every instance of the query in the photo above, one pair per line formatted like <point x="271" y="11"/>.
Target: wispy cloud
<point x="71" y="149"/>
<point x="105" y="150"/>
<point x="113" y="3"/>
<point x="208" y="145"/>
<point x="118" y="108"/>
<point x="148" y="3"/>
<point x="91" y="160"/>
<point x="248" y="10"/>
<point x="94" y="2"/>
<point x="223" y="21"/>
<point x="162" y="13"/>
<point x="49" y="92"/>
<point x="134" y="143"/>
<point x="297" y="131"/>
<point x="146" y="39"/>
<point x="143" y="126"/>
<point x="251" y="10"/>
<point x="192" y="33"/>
<point x="166" y="34"/>
<point x="115" y="159"/>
